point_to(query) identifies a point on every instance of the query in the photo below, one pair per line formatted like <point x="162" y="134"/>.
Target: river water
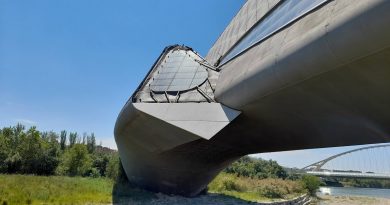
<point x="351" y="191"/>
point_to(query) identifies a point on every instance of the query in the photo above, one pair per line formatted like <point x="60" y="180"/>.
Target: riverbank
<point x="351" y="200"/>
<point x="207" y="199"/>
<point x="30" y="189"/>
<point x="353" y="196"/>
<point x="353" y="191"/>
<point x="256" y="190"/>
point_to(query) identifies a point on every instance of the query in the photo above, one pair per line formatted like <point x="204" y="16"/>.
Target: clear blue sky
<point x="73" y="64"/>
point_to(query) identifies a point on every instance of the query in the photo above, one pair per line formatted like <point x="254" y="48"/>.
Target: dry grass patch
<point x="256" y="189"/>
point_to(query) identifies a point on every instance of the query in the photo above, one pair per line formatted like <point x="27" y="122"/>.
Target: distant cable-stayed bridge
<point x="367" y="162"/>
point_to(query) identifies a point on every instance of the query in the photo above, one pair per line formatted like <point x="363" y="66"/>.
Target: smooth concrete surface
<point x="149" y="145"/>
<point x="321" y="82"/>
<point x="202" y="119"/>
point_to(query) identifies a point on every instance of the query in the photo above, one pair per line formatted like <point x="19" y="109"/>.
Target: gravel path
<point x="209" y="199"/>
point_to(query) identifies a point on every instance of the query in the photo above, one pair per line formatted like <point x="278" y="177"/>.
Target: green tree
<point x="11" y="143"/>
<point x="100" y="162"/>
<point x="38" y="155"/>
<point x="45" y="153"/>
<point x="72" y="138"/>
<point x="311" y="183"/>
<point x="91" y="143"/>
<point x="84" y="138"/>
<point x="3" y="153"/>
<point x="51" y="155"/>
<point x="44" y="135"/>
<point x="63" y="139"/>
<point x="274" y="170"/>
<point x="113" y="167"/>
<point x="31" y="150"/>
<point x="256" y="168"/>
<point x="75" y="161"/>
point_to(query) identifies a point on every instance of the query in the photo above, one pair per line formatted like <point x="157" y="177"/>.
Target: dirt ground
<point x="348" y="200"/>
<point x="209" y="199"/>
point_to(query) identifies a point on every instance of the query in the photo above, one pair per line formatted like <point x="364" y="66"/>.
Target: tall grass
<point x="256" y="189"/>
<point x="28" y="189"/>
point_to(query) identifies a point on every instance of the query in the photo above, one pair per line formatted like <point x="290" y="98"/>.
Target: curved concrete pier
<point x="322" y="80"/>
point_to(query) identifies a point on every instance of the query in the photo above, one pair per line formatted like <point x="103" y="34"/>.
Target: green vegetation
<point x="361" y="183"/>
<point x="29" y="189"/>
<point x="32" y="189"/>
<point x="311" y="183"/>
<point x="47" y="153"/>
<point x="256" y="168"/>
<point x="261" y="180"/>
<point x="257" y="190"/>
<point x="87" y="173"/>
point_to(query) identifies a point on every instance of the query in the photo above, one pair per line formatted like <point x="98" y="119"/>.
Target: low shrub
<point x="311" y="183"/>
<point x="230" y="185"/>
<point x="94" y="173"/>
<point x="271" y="191"/>
<point x="236" y="186"/>
<point x="226" y="182"/>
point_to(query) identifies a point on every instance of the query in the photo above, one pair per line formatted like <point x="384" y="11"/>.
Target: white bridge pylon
<point x="366" y="162"/>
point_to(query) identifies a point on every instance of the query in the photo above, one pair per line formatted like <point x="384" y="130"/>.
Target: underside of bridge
<point x="284" y="75"/>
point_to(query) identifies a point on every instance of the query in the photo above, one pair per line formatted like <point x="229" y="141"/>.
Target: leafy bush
<point x="230" y="185"/>
<point x="256" y="168"/>
<point x="94" y="173"/>
<point x="46" y="153"/>
<point x="271" y="191"/>
<point x="76" y="161"/>
<point x="113" y="167"/>
<point x="246" y="187"/>
<point x="28" y="152"/>
<point x="311" y="183"/>
<point x="226" y="182"/>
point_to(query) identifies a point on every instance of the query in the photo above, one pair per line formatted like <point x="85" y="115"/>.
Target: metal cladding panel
<point x="179" y="75"/>
<point x="315" y="44"/>
<point x="178" y="72"/>
<point x="281" y="16"/>
<point x="248" y="15"/>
